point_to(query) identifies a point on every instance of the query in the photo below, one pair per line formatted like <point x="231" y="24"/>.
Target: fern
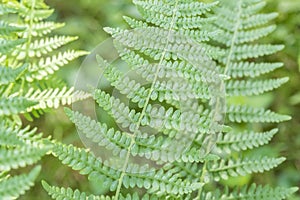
<point x="13" y="187"/>
<point x="23" y="89"/>
<point x="195" y="57"/>
<point x="36" y="53"/>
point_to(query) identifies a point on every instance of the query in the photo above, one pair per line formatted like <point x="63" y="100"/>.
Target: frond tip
<point x="12" y="188"/>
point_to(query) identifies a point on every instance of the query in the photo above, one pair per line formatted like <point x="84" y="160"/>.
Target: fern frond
<point x="13" y="135"/>
<point x="231" y="168"/>
<point x="8" y="136"/>
<point x="69" y="194"/>
<point x="245" y="36"/>
<point x="87" y="163"/>
<point x="251" y="69"/>
<point x="251" y="192"/>
<point x="35" y="14"/>
<point x="46" y="66"/>
<point x="161" y="14"/>
<point x="12" y="188"/>
<point x="9" y="45"/>
<point x="244" y="52"/>
<point x="42" y="46"/>
<point x="9" y="75"/>
<point x="5" y="9"/>
<point x="154" y="148"/>
<point x="40" y="29"/>
<point x="253" y="87"/>
<point x="254" y="115"/>
<point x="6" y="29"/>
<point x="14" y="105"/>
<point x="161" y="119"/>
<point x="171" y="49"/>
<point x="231" y="141"/>
<point x="21" y="156"/>
<point x="54" y="97"/>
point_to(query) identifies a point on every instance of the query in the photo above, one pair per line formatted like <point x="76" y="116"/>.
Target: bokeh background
<point x="86" y="18"/>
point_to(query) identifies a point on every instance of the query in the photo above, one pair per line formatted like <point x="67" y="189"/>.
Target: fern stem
<point x="145" y="106"/>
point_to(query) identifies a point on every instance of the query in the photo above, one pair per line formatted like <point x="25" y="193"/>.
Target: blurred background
<point x="86" y="19"/>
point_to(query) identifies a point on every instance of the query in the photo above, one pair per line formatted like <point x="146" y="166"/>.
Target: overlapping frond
<point x="170" y="107"/>
<point x="136" y="176"/>
<point x="13" y="187"/>
<point x="33" y="57"/>
<point x="25" y="69"/>
<point x="251" y="192"/>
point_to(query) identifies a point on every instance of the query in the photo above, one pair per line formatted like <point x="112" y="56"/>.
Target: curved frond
<point x="251" y="192"/>
<point x="231" y="168"/>
<point x="21" y="156"/>
<point x="14" y="105"/>
<point x="153" y="181"/>
<point x="42" y="46"/>
<point x="229" y="142"/>
<point x="12" y="188"/>
<point x="54" y="97"/>
<point x="46" y="66"/>
<point x="69" y="194"/>
<point x="9" y="75"/>
<point x="254" y="115"/>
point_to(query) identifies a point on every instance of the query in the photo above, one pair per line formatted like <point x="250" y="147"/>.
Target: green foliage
<point x="13" y="187"/>
<point x="172" y="48"/>
<point x="24" y="45"/>
<point x="253" y="192"/>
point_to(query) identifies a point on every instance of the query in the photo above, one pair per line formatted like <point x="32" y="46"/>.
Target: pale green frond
<point x="166" y="120"/>
<point x="149" y="146"/>
<point x="21" y="156"/>
<point x="123" y="115"/>
<point x="12" y="135"/>
<point x="161" y="13"/>
<point x="41" y="29"/>
<point x="68" y="194"/>
<point x="6" y="29"/>
<point x="5" y="9"/>
<point x="244" y="36"/>
<point x="146" y="39"/>
<point x="251" y="69"/>
<point x="251" y="192"/>
<point x="258" y="20"/>
<point x="49" y="65"/>
<point x="14" y="105"/>
<point x="42" y="46"/>
<point x="253" y="8"/>
<point x="134" y="23"/>
<point x="168" y="69"/>
<point x="243" y="113"/>
<point x="153" y="181"/>
<point x="13" y="187"/>
<point x="224" y="169"/>
<point x="243" y="52"/>
<point x="9" y="136"/>
<point x="9" y="45"/>
<point x="36" y="14"/>
<point x="253" y="87"/>
<point x="9" y="75"/>
<point x="235" y="142"/>
<point x="54" y="97"/>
